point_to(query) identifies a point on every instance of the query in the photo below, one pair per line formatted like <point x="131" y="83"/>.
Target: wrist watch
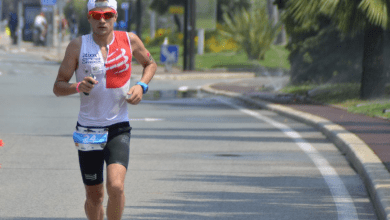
<point x="144" y="86"/>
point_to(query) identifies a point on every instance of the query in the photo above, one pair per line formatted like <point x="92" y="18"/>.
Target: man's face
<point x="103" y="25"/>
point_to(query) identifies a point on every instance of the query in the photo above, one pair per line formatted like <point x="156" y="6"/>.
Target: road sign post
<point x="169" y="55"/>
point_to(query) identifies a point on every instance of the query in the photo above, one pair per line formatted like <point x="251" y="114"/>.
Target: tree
<point x="352" y="17"/>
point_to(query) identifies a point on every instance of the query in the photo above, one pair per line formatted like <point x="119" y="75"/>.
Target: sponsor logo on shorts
<point x="125" y="139"/>
<point x="91" y="176"/>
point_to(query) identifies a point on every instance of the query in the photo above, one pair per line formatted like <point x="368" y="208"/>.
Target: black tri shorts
<point x="116" y="151"/>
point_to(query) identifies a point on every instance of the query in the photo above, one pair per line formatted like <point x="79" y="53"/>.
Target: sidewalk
<point x="364" y="140"/>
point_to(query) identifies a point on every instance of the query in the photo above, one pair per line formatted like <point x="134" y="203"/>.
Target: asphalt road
<point x="202" y="157"/>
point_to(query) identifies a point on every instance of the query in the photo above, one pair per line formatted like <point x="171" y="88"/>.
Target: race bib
<point x="90" y="139"/>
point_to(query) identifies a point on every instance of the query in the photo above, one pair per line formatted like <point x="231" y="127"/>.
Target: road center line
<point x="345" y="207"/>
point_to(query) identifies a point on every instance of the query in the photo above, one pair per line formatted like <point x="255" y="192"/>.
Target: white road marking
<point x="345" y="207"/>
<point x="146" y="119"/>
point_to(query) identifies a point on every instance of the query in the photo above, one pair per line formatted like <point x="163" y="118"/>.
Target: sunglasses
<point x="97" y="15"/>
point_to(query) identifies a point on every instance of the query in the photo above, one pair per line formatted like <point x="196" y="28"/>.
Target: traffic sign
<point x="48" y="2"/>
<point x="125" y="5"/>
<point x="169" y="53"/>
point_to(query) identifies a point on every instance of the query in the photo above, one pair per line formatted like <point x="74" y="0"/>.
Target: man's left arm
<point x="143" y="57"/>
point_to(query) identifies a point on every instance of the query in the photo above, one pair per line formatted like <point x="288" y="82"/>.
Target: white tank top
<point x="106" y="104"/>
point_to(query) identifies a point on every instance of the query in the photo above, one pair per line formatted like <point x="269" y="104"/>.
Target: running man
<point x="102" y="63"/>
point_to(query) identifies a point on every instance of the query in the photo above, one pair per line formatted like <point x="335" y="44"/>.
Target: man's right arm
<point x="62" y="87"/>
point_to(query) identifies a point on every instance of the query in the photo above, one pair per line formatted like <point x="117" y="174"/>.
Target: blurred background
<point x="317" y="43"/>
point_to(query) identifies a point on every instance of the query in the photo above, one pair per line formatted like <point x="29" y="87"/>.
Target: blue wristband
<point x="144" y="86"/>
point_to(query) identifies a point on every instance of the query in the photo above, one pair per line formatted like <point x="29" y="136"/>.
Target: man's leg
<point x="94" y="202"/>
<point x="91" y="166"/>
<point x="115" y="189"/>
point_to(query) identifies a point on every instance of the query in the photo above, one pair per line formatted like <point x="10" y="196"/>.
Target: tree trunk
<point x="177" y="22"/>
<point x="373" y="76"/>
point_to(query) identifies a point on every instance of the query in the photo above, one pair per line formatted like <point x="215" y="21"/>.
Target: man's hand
<point x="136" y="93"/>
<point x="86" y="86"/>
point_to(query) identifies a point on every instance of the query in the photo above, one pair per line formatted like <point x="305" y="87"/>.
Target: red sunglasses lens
<point x="98" y="15"/>
<point x="108" y="15"/>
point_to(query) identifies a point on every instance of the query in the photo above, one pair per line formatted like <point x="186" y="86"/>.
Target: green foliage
<point x="252" y="30"/>
<point x="173" y="38"/>
<point x="375" y="109"/>
<point x="230" y="7"/>
<point x="276" y="57"/>
<point x="328" y="93"/>
<point x="216" y="43"/>
<point x="318" y="47"/>
<point x="345" y="95"/>
<point x="376" y="11"/>
<point x="351" y="16"/>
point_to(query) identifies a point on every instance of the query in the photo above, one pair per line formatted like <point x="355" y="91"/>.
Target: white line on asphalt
<point x="345" y="207"/>
<point x="146" y="119"/>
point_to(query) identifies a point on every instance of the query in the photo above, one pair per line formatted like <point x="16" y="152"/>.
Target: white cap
<point x="108" y="3"/>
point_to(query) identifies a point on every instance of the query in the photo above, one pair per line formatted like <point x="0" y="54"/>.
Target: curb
<point x="370" y="168"/>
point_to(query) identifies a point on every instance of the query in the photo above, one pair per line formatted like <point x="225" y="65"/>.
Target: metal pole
<point x="56" y="19"/>
<point x="192" y="34"/>
<point x="139" y="18"/>
<point x="59" y="46"/>
<point x="152" y="24"/>
<point x="20" y="23"/>
<point x="185" y="43"/>
<point x="201" y="41"/>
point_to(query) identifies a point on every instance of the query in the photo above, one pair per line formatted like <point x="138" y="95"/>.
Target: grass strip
<point x="276" y="57"/>
<point x="345" y="95"/>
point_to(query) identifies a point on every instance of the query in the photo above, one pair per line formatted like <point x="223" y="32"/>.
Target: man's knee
<point x="95" y="194"/>
<point x="115" y="189"/>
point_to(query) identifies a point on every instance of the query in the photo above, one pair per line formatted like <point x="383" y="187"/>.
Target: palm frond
<point x="329" y="7"/>
<point x="349" y="18"/>
<point x="304" y="9"/>
<point x="376" y="11"/>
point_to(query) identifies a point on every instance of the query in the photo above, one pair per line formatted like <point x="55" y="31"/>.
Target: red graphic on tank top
<point x="118" y="66"/>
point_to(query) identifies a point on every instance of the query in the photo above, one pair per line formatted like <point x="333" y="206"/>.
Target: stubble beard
<point x="102" y="32"/>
